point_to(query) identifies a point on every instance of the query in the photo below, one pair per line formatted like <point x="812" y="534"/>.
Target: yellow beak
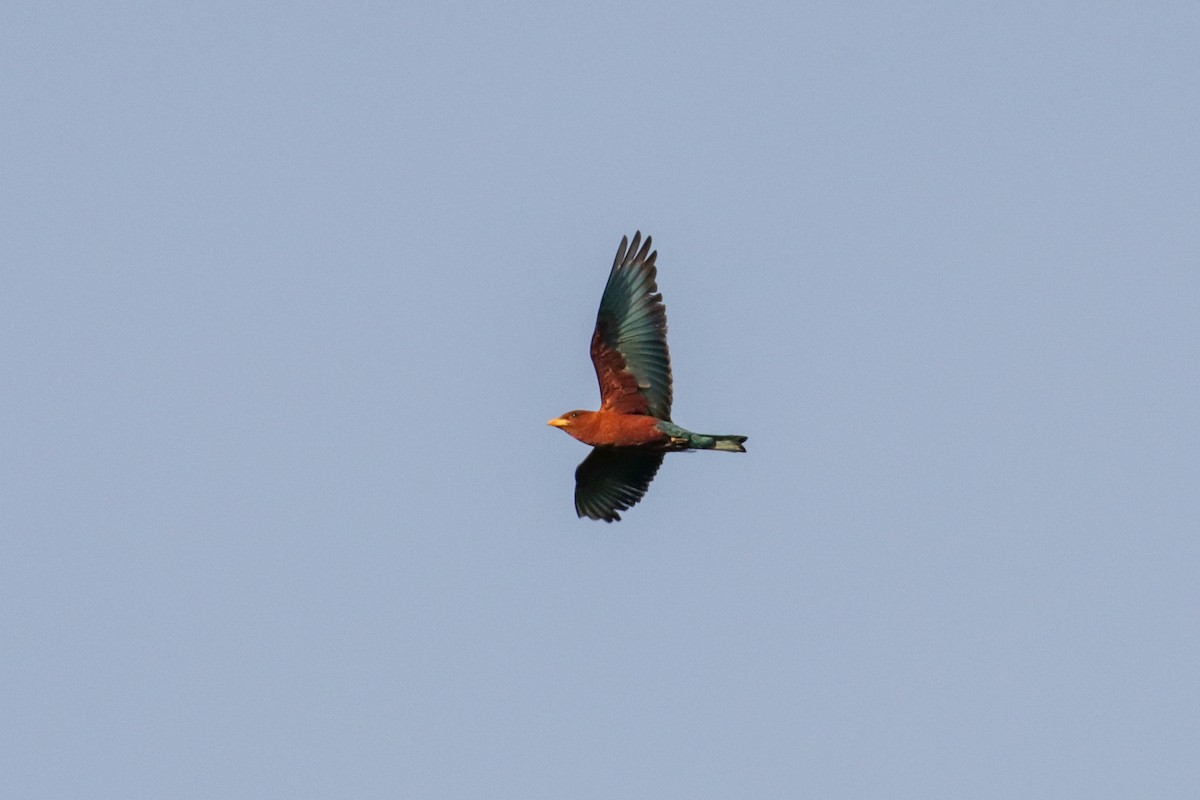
<point x="558" y="422"/>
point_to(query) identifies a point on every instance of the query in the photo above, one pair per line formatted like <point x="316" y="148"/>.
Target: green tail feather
<point x="730" y="444"/>
<point x="702" y="441"/>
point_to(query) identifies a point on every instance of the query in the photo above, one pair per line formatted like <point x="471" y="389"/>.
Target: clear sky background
<point x="290" y="290"/>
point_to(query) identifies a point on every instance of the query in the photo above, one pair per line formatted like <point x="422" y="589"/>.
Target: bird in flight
<point x="632" y="431"/>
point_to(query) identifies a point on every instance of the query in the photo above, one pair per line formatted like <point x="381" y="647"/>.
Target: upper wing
<point x="629" y="345"/>
<point x="613" y="479"/>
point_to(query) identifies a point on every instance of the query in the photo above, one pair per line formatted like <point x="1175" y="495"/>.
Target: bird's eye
<point x="574" y="414"/>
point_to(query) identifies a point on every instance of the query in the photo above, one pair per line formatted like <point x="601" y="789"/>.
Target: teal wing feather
<point x="613" y="479"/>
<point x="629" y="344"/>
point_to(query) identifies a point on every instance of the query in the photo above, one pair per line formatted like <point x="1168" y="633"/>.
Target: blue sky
<point x="291" y="290"/>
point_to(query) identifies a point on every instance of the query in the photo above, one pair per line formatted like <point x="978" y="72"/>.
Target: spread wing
<point x="629" y="345"/>
<point x="613" y="479"/>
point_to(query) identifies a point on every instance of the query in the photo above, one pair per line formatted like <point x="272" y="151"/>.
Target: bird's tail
<point x="730" y="444"/>
<point x="682" y="437"/>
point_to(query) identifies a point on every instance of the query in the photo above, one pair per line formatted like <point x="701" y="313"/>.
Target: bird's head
<point x="572" y="421"/>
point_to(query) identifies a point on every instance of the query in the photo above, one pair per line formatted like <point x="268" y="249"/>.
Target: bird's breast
<point x="622" y="430"/>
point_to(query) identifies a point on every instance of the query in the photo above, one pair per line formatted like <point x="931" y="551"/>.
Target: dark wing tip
<point x="631" y="253"/>
<point x="644" y="254"/>
<point x="621" y="250"/>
